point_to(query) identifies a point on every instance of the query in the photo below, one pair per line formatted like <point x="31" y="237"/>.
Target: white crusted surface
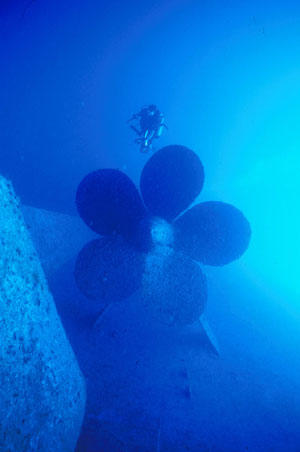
<point x="42" y="392"/>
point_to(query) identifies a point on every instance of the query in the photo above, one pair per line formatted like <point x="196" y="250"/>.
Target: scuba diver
<point x="151" y="123"/>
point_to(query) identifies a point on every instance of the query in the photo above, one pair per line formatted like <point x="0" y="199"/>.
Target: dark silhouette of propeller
<point x="147" y="245"/>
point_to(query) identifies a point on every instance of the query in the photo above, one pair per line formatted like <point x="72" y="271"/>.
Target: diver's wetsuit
<point x="151" y="122"/>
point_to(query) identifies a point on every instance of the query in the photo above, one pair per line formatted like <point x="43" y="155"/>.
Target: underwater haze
<point x="226" y="75"/>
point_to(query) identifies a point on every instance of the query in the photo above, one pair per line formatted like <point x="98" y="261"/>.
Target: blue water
<point x="226" y="75"/>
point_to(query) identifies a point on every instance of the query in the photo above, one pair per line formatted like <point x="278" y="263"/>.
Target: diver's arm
<point x="135" y="116"/>
<point x="137" y="131"/>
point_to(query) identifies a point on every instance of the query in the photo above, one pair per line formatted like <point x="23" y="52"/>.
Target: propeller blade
<point x="108" y="269"/>
<point x="171" y="180"/>
<point x="174" y="288"/>
<point x="108" y="202"/>
<point x="214" y="233"/>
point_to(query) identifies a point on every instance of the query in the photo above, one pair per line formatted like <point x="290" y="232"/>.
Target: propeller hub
<point x="161" y="232"/>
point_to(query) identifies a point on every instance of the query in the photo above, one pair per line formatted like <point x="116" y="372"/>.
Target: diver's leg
<point x="151" y="134"/>
<point x="150" y="139"/>
<point x="159" y="132"/>
<point x="146" y="137"/>
<point x="144" y="148"/>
